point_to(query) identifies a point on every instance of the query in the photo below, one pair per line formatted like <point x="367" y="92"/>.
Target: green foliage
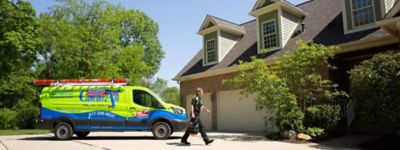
<point x="171" y="94"/>
<point x="8" y="118"/>
<point x="375" y="86"/>
<point x="315" y="132"/>
<point x="26" y="114"/>
<point x="302" y="70"/>
<point x="273" y="94"/>
<point x="98" y="40"/>
<point x="292" y="79"/>
<point x="19" y="44"/>
<point x="322" y="116"/>
<point x="159" y="86"/>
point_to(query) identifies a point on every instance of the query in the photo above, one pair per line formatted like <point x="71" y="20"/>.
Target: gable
<point x="263" y="3"/>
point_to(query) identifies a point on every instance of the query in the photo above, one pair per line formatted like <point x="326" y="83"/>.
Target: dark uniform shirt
<point x="197" y="104"/>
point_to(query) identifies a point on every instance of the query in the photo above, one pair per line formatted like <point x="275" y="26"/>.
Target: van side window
<point x="144" y="99"/>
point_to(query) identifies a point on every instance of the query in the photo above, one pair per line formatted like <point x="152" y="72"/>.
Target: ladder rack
<point x="81" y="82"/>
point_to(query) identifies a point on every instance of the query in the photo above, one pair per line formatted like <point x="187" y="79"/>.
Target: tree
<point x="290" y="80"/>
<point x="19" y="43"/>
<point x="302" y="72"/>
<point x="159" y="86"/>
<point x="375" y="86"/>
<point x="98" y="40"/>
<point x="171" y="94"/>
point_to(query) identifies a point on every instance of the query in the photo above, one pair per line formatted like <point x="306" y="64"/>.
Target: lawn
<point x="23" y="132"/>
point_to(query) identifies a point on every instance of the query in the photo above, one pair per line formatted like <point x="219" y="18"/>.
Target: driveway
<point x="144" y="140"/>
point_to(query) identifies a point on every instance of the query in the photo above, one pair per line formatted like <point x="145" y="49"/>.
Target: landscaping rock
<point x="304" y="137"/>
<point x="290" y="134"/>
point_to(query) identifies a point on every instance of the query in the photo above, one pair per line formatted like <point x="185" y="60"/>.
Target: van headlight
<point x="177" y="110"/>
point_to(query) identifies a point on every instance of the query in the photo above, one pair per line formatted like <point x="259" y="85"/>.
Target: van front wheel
<point x="161" y="130"/>
<point x="63" y="131"/>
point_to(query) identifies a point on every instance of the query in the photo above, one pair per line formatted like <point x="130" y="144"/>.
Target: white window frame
<point x="206" y="62"/>
<point x="264" y="36"/>
<point x="352" y="15"/>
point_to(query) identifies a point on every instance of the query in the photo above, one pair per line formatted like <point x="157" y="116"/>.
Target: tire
<point x="161" y="130"/>
<point x="82" y="134"/>
<point x="63" y="131"/>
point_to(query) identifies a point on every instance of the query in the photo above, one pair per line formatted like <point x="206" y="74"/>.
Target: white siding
<point x="388" y="5"/>
<point x="289" y="24"/>
<point x="227" y="41"/>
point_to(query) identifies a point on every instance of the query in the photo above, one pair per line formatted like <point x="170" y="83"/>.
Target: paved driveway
<point x="144" y="141"/>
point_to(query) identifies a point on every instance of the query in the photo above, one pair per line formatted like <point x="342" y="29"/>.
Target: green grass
<point x="23" y="132"/>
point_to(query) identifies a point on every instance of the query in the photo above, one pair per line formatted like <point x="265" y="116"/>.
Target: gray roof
<point x="227" y="24"/>
<point x="323" y="25"/>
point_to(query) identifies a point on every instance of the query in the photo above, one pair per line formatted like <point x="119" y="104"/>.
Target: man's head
<point x="199" y="92"/>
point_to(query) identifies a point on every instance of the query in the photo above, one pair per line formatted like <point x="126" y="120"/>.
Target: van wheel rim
<point x="62" y="132"/>
<point x="161" y="131"/>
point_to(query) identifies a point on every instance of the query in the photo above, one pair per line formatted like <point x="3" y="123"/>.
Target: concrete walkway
<point x="145" y="141"/>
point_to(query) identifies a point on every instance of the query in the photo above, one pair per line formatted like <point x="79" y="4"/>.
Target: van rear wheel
<point x="82" y="134"/>
<point x="63" y="131"/>
<point x="161" y="130"/>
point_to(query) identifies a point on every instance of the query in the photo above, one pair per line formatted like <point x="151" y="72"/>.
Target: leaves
<point x="294" y="78"/>
<point x="98" y="40"/>
<point x="19" y="44"/>
<point x="375" y="88"/>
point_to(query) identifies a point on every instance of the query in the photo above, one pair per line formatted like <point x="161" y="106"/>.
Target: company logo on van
<point x="99" y="96"/>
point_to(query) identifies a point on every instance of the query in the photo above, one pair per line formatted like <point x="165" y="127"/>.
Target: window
<point x="269" y="34"/>
<point x="362" y="12"/>
<point x="145" y="99"/>
<point x="211" y="52"/>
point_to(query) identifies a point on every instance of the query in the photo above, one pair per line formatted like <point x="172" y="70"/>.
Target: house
<point x="361" y="28"/>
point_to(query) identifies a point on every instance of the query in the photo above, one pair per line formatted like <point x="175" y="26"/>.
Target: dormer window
<point x="211" y="52"/>
<point x="362" y="12"/>
<point x="276" y="23"/>
<point x="269" y="38"/>
<point x="219" y="37"/>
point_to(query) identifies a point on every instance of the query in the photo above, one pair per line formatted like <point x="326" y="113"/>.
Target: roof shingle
<point x="323" y="25"/>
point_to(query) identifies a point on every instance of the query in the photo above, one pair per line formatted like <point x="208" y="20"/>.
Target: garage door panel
<point x="206" y="118"/>
<point x="238" y="113"/>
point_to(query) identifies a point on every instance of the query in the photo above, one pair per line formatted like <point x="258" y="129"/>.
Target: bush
<point x="8" y="118"/>
<point x="322" y="116"/>
<point x="26" y="114"/>
<point x="290" y="81"/>
<point x="291" y="119"/>
<point x="375" y="86"/>
<point x="315" y="132"/>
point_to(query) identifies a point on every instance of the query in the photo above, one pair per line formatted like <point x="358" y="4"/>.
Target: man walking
<point x="196" y="108"/>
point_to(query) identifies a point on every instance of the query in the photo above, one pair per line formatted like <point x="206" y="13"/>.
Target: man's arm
<point x="204" y="108"/>
<point x="192" y="114"/>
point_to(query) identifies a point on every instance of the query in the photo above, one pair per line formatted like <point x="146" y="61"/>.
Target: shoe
<point x="209" y="141"/>
<point x="185" y="143"/>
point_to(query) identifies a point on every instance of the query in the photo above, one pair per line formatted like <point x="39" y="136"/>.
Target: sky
<point x="179" y="21"/>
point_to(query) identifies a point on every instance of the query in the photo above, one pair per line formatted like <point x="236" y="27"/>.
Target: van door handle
<point x="132" y="108"/>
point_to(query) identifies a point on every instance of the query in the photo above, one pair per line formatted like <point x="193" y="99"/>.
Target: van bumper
<point x="179" y="125"/>
<point x="44" y="124"/>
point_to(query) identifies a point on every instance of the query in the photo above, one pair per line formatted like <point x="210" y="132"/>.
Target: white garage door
<point x="205" y="117"/>
<point x="238" y="113"/>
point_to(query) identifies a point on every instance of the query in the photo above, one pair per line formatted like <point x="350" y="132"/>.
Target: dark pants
<point x="202" y="132"/>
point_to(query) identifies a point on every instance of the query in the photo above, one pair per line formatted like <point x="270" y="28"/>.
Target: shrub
<point x="291" y="79"/>
<point x="8" y="118"/>
<point x="315" y="132"/>
<point x="375" y="86"/>
<point x="322" y="116"/>
<point x="26" y="114"/>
